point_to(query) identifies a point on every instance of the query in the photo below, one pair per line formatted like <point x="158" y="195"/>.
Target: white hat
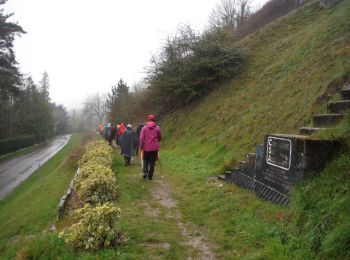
<point x="129" y="126"/>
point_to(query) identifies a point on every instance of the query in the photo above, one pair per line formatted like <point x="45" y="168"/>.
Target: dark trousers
<point x="149" y="160"/>
<point x="127" y="160"/>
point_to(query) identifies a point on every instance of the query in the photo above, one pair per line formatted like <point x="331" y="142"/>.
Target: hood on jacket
<point x="151" y="124"/>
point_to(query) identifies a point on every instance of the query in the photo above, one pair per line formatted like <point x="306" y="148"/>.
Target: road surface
<point x="14" y="171"/>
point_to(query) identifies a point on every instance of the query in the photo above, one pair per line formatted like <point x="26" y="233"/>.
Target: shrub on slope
<point x="190" y="65"/>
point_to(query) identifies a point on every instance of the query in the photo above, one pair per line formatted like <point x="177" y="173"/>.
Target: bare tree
<point x="270" y="11"/>
<point x="230" y="14"/>
<point x="96" y="105"/>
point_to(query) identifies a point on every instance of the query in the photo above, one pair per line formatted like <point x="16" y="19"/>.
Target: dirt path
<point x="195" y="238"/>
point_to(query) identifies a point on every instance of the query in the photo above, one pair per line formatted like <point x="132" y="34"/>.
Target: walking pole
<point x="141" y="158"/>
<point x="160" y="164"/>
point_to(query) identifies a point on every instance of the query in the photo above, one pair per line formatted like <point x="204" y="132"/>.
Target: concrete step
<point x="242" y="164"/>
<point x="337" y="107"/>
<point x="250" y="156"/>
<point x="345" y="93"/>
<point x="228" y="175"/>
<point x="325" y="120"/>
<point x="310" y="130"/>
<point x="221" y="177"/>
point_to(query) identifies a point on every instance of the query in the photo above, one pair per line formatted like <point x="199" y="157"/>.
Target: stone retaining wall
<point x="65" y="197"/>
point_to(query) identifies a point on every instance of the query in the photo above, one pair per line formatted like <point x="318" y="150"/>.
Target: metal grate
<point x="260" y="189"/>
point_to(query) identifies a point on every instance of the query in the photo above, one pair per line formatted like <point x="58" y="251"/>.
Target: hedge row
<point x="96" y="185"/>
<point x="15" y="143"/>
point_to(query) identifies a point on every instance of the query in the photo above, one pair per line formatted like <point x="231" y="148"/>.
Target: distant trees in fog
<point x="272" y="10"/>
<point x="230" y="14"/>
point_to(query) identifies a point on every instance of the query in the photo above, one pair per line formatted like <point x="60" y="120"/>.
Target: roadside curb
<point x="65" y="197"/>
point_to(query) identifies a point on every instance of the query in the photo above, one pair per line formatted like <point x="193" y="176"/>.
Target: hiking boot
<point x="144" y="175"/>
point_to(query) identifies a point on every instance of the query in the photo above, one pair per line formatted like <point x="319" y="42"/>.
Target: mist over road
<point x="13" y="172"/>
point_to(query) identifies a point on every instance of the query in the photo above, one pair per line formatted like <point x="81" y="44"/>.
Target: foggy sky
<point x="87" y="46"/>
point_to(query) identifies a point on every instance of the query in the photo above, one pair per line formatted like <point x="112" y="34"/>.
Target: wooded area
<point x="25" y="107"/>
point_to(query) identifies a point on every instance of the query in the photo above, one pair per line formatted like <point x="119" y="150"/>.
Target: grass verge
<point x="243" y="225"/>
<point x="31" y="208"/>
<point x="150" y="237"/>
<point x="315" y="225"/>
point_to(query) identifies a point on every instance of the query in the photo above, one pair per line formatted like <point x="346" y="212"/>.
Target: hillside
<point x="296" y="64"/>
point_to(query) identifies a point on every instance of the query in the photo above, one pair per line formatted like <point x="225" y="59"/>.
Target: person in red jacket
<point x="121" y="130"/>
<point x="150" y="138"/>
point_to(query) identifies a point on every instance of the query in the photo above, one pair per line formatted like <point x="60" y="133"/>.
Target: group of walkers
<point x="144" y="141"/>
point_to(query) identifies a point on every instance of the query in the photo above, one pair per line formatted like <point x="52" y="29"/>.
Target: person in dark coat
<point x="128" y="144"/>
<point x="107" y="131"/>
<point x="137" y="134"/>
<point x="112" y="134"/>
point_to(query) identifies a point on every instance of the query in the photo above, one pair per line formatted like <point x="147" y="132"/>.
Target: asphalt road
<point x="14" y="171"/>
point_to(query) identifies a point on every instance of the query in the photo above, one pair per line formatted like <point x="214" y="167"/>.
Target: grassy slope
<point x="293" y="63"/>
<point x="32" y="207"/>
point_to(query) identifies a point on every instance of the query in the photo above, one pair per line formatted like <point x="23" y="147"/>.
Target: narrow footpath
<point x="194" y="237"/>
<point x="154" y="218"/>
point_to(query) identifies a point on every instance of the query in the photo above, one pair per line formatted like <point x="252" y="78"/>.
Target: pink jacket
<point x="150" y="137"/>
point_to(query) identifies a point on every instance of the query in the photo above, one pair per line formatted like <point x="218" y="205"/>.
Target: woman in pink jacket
<point x="149" y="145"/>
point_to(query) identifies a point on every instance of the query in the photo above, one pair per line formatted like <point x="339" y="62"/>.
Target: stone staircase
<point x="285" y="160"/>
<point x="335" y="110"/>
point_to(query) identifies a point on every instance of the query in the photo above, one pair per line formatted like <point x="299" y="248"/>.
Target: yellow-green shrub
<point x="96" y="158"/>
<point x="98" y="152"/>
<point x="91" y="167"/>
<point x="96" y="228"/>
<point x="94" y="144"/>
<point x="96" y="182"/>
<point x="97" y="188"/>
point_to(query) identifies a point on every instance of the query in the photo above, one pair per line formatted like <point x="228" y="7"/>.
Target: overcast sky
<point x="86" y="46"/>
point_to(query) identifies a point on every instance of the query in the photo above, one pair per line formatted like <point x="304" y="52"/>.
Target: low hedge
<point x="15" y="143"/>
<point x="96" y="185"/>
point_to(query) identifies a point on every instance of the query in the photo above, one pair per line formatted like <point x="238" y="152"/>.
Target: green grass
<point x="315" y="225"/>
<point x="322" y="218"/>
<point x="296" y="65"/>
<point x="146" y="234"/>
<point x="31" y="208"/>
<point x="239" y="222"/>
